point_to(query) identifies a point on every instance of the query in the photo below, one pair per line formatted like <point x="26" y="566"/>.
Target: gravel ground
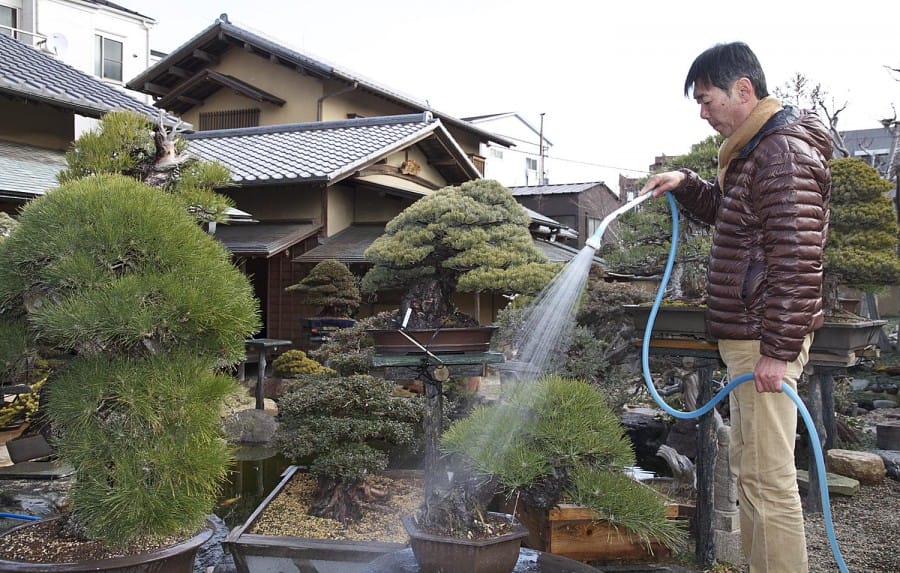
<point x="867" y="528"/>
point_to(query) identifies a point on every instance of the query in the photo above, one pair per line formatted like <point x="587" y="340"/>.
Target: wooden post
<point x="705" y="551"/>
<point x="432" y="424"/>
<point x="814" y="405"/>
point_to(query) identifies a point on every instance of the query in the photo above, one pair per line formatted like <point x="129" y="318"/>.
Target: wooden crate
<point x="575" y="532"/>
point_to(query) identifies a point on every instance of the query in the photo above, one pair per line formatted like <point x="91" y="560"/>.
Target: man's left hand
<point x="768" y="374"/>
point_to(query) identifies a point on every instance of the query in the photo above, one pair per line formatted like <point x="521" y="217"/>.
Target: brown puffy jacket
<point x="765" y="268"/>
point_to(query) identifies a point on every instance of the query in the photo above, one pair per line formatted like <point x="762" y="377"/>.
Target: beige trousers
<point x="763" y="431"/>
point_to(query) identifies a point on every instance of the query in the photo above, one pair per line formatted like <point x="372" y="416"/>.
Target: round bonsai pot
<point x="177" y="558"/>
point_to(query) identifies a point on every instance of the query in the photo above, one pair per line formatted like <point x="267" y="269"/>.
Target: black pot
<point x="172" y="559"/>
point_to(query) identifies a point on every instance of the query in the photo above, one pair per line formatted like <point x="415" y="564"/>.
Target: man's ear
<point x="743" y="89"/>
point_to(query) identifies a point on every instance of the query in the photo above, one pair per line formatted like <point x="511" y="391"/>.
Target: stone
<point x="884" y="404"/>
<point x="866" y="467"/>
<point x="728" y="546"/>
<point x="891" y="459"/>
<point x="858" y="384"/>
<point x="683" y="437"/>
<point x="250" y="427"/>
<point x="837" y="484"/>
<point x="646" y="431"/>
<point x="887" y="435"/>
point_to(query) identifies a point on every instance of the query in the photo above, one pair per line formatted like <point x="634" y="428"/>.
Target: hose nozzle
<point x="595" y="240"/>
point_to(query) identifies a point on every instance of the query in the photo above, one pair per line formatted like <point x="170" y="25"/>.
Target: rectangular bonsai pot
<point x="671" y="320"/>
<point x="257" y="553"/>
<point x="437" y="341"/>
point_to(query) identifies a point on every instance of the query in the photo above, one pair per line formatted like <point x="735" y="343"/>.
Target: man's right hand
<point x="660" y="183"/>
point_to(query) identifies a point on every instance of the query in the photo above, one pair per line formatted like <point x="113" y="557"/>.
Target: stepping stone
<point x="866" y="467"/>
<point x="836" y="484"/>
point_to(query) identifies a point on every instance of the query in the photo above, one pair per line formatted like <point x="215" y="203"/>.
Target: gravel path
<point x="867" y="528"/>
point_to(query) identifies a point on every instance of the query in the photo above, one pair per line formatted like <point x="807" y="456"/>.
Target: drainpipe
<point x="320" y="101"/>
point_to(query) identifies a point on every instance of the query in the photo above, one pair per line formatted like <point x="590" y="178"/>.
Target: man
<point x="769" y="206"/>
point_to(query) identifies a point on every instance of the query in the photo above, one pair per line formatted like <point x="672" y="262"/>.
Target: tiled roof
<point x="29" y="73"/>
<point x="222" y="36"/>
<point x="263" y="239"/>
<point x="346" y="246"/>
<point x="118" y="7"/>
<point x="27" y="171"/>
<point x="557" y="189"/>
<point x="306" y="152"/>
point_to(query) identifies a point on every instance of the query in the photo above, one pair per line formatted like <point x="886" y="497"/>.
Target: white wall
<point x="508" y="165"/>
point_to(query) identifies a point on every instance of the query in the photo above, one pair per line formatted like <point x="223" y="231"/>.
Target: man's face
<point x="719" y="108"/>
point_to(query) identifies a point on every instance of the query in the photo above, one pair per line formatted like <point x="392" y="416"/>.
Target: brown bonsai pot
<point x="177" y="558"/>
<point x="438" y="340"/>
<point x="448" y="554"/>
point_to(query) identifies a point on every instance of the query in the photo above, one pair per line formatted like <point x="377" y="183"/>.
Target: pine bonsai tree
<point x="472" y="238"/>
<point x="334" y="424"/>
<point x="128" y="143"/>
<point x="861" y="250"/>
<point x="646" y="233"/>
<point x="553" y="440"/>
<point x="330" y="285"/>
<point x="150" y="308"/>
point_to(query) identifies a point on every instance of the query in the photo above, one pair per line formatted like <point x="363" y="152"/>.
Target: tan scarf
<point x="765" y="109"/>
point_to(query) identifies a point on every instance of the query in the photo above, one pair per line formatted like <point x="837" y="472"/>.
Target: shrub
<point x="295" y="363"/>
<point x="329" y="285"/>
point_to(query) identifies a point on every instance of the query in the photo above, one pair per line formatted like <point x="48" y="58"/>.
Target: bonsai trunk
<point x="344" y="502"/>
<point x="430" y="304"/>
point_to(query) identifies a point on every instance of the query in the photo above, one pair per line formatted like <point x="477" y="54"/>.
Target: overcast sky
<point x="608" y="76"/>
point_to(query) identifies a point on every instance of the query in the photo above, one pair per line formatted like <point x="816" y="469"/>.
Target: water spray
<point x="594" y="243"/>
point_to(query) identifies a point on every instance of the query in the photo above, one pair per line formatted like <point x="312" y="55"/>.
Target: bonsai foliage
<point x="470" y="238"/>
<point x="555" y="440"/>
<point x="340" y="427"/>
<point x="295" y="364"/>
<point x="130" y="144"/>
<point x="351" y="350"/>
<point x="330" y="285"/>
<point x="118" y="275"/>
<point x="646" y="232"/>
<point x="861" y="250"/>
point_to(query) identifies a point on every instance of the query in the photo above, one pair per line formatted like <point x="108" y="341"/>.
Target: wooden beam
<point x="156" y="89"/>
<point x="205" y="56"/>
<point x="189" y="100"/>
<point x="180" y="72"/>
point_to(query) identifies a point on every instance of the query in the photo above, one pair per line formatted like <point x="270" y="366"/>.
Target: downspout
<point x="320" y="101"/>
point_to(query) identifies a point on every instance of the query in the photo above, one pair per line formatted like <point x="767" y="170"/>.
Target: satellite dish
<point x="57" y="44"/>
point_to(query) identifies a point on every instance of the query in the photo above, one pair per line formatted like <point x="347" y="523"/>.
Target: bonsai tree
<point x="861" y="250"/>
<point x="471" y="238"/>
<point x="339" y="427"/>
<point x="329" y="285"/>
<point x="646" y="233"/>
<point x="150" y="309"/>
<point x="552" y="440"/>
<point x="128" y="143"/>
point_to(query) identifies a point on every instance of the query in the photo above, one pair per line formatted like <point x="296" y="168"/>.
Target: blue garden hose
<point x="4" y="515"/>
<point x="801" y="408"/>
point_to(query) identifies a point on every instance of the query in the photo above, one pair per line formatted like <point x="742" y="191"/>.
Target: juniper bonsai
<point x="471" y="238"/>
<point x="341" y="427"/>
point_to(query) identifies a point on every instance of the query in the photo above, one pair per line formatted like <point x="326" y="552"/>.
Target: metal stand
<point x="262" y="346"/>
<point x="433" y="370"/>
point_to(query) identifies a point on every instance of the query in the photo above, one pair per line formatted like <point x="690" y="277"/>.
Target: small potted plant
<point x="549" y="441"/>
<point x="332" y="288"/>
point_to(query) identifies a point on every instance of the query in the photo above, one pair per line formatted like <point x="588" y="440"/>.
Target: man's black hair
<point x="724" y="64"/>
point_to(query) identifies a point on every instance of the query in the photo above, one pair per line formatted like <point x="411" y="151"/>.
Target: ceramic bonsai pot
<point x="440" y="340"/>
<point x="172" y="559"/>
<point x="447" y="554"/>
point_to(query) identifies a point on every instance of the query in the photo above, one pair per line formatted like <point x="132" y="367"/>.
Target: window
<point x="531" y="163"/>
<point x="497" y="152"/>
<point x="229" y="119"/>
<point x="7" y="20"/>
<point x="107" y="58"/>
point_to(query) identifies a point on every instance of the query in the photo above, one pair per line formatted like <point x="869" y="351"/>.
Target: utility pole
<point x="542" y="179"/>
